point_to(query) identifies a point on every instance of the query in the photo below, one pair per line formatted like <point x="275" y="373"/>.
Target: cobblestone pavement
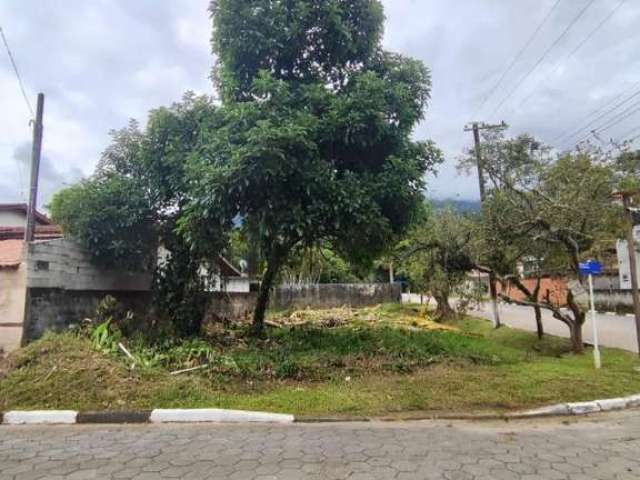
<point x="603" y="447"/>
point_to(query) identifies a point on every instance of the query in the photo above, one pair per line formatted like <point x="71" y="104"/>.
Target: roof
<point x="22" y="208"/>
<point x="10" y="253"/>
<point x="42" y="232"/>
<point x="227" y="269"/>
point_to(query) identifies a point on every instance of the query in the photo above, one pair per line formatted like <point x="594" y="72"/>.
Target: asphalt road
<point x="603" y="447"/>
<point x="613" y="330"/>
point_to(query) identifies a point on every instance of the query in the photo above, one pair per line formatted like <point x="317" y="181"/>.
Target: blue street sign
<point x="591" y="267"/>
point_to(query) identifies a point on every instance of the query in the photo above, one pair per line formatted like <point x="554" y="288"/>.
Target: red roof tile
<point x="10" y="253"/>
<point x="43" y="232"/>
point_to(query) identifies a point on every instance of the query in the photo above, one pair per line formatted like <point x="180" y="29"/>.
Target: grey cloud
<point x="101" y="62"/>
<point x="53" y="175"/>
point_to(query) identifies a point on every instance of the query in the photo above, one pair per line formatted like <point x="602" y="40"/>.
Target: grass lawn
<point x="387" y="360"/>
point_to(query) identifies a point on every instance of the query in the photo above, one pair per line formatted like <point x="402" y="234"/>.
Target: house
<point x="13" y="220"/>
<point x="13" y="277"/>
<point x="624" y="264"/>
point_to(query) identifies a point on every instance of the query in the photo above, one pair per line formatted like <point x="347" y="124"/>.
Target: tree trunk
<point x="577" y="343"/>
<point x="539" y="326"/>
<point x="273" y="265"/>
<point x="443" y="308"/>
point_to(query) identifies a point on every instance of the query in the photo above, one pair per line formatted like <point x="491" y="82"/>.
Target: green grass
<point x="379" y="364"/>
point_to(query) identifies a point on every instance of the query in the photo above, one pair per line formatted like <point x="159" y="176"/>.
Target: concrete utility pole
<point x="631" y="245"/>
<point x="475" y="128"/>
<point x="36" y="150"/>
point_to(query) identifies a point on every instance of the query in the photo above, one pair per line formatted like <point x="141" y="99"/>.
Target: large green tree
<point x="312" y="142"/>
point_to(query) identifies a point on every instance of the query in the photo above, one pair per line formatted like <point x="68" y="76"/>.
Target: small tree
<point x="568" y="211"/>
<point x="436" y="256"/>
<point x="312" y="143"/>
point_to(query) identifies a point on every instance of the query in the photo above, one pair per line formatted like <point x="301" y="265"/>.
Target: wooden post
<point x="493" y="290"/>
<point x="36" y="150"/>
<point x="633" y="264"/>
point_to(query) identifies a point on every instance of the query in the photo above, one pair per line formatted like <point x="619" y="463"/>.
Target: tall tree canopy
<point x="312" y="141"/>
<point x="311" y="144"/>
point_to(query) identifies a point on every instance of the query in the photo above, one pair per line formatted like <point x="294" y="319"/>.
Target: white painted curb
<point x="582" y="408"/>
<point x="40" y="417"/>
<point x="613" y="404"/>
<point x="216" y="415"/>
<point x="551" y="410"/>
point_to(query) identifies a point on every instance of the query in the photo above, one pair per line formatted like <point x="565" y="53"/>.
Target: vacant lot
<point x="387" y="360"/>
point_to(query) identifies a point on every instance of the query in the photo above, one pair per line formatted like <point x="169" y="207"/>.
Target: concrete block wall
<point x="56" y="309"/>
<point x="63" y="264"/>
<point x="226" y="307"/>
<point x="335" y="295"/>
<point x="63" y="287"/>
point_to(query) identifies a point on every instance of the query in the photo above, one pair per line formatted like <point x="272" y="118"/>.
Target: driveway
<point x="613" y="330"/>
<point x="602" y="447"/>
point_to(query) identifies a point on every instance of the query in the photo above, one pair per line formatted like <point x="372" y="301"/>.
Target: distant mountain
<point x="462" y="206"/>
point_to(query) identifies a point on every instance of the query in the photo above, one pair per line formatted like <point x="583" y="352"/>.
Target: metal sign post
<point x="592" y="268"/>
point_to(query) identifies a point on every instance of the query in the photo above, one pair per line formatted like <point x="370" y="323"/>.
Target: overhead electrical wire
<point x="573" y="132"/>
<point x="26" y="100"/>
<point x="16" y="71"/>
<point x="555" y="43"/>
<point x="564" y="138"/>
<point x="635" y="108"/>
<point x="518" y="56"/>
<point x="579" y="46"/>
<point x="629" y="132"/>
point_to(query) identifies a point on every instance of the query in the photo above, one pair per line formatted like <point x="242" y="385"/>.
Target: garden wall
<point x="329" y="295"/>
<point x="64" y="287"/>
<point x="225" y="307"/>
<point x="607" y="294"/>
<point x="57" y="309"/>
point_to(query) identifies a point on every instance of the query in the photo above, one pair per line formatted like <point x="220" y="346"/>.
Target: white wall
<point x="235" y="284"/>
<point x="13" y="292"/>
<point x="12" y="219"/>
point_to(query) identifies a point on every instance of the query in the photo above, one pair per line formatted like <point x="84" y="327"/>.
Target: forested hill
<point x="462" y="206"/>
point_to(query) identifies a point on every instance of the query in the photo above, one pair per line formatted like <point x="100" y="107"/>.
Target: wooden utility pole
<point x="36" y="150"/>
<point x="475" y="128"/>
<point x="633" y="264"/>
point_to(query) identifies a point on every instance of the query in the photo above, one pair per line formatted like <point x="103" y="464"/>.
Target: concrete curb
<point x="215" y="415"/>
<point x="39" y="417"/>
<point x="114" y="417"/>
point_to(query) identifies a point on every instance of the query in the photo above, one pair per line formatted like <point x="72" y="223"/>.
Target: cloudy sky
<point x="101" y="62"/>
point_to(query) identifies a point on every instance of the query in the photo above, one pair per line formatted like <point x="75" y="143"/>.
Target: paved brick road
<point x="604" y="447"/>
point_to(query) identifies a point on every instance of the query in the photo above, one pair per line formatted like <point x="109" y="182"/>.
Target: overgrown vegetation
<point x="380" y="360"/>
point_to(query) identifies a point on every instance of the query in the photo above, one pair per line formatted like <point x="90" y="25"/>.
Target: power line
<point x="615" y="121"/>
<point x="629" y="132"/>
<point x="567" y="134"/>
<point x="544" y="55"/>
<point x="579" y="46"/>
<point x="16" y="71"/>
<point x="518" y="56"/>
<point x="620" y="116"/>
<point x="565" y="138"/>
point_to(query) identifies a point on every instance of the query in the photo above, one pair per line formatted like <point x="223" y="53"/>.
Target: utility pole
<point x="36" y="150"/>
<point x="475" y="128"/>
<point x="633" y="264"/>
